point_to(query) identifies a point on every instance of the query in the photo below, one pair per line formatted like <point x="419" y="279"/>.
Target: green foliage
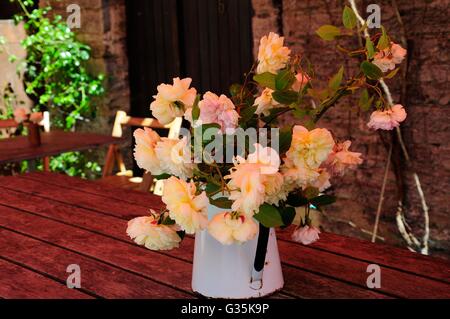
<point x="284" y="79"/>
<point x="328" y="32"/>
<point x="336" y="80"/>
<point x="56" y="75"/>
<point x="74" y="164"/>
<point x="57" y="79"/>
<point x="384" y="40"/>
<point x="269" y="216"/>
<point x="371" y="70"/>
<point x="265" y="79"/>
<point x="348" y="18"/>
<point x="285" y="97"/>
<point x="221" y="202"/>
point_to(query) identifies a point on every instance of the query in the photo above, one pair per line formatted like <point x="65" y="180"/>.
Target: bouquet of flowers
<point x="236" y="156"/>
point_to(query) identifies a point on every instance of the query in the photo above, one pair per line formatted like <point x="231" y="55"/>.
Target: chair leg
<point x="46" y="162"/>
<point x="147" y="181"/>
<point x="109" y="161"/>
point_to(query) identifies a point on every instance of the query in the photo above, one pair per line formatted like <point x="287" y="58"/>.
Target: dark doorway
<point x="9" y="9"/>
<point x="207" y="40"/>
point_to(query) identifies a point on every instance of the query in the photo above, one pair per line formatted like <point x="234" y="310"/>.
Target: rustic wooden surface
<point x="49" y="221"/>
<point x="53" y="143"/>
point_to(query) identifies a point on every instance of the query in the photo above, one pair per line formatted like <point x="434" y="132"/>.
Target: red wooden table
<point x="16" y="149"/>
<point x="49" y="221"/>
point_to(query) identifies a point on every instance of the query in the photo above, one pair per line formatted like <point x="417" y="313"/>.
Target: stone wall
<point x="103" y="27"/>
<point x="426" y="130"/>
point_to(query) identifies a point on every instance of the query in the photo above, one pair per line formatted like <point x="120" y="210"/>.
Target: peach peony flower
<point x="146" y="231"/>
<point x="247" y="188"/>
<point x="144" y="150"/>
<point x="272" y="55"/>
<point x="389" y="57"/>
<point x="309" y="148"/>
<point x="255" y="180"/>
<point x="36" y="117"/>
<point x="228" y="228"/>
<point x="265" y="102"/>
<point x="298" y="176"/>
<point x="216" y="109"/>
<point x="341" y="158"/>
<point x="322" y="182"/>
<point x="185" y="207"/>
<point x="20" y="115"/>
<point x="306" y="234"/>
<point x="387" y="119"/>
<point x="166" y="106"/>
<point x="175" y="157"/>
<point x="301" y="79"/>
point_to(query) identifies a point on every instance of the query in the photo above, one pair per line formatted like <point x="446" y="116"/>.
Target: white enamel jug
<point x="225" y="271"/>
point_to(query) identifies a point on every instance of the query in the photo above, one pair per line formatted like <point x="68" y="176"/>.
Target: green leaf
<point x="269" y="216"/>
<point x="296" y="200"/>
<point x="310" y="192"/>
<point x="247" y="113"/>
<point x="167" y="221"/>
<point x="323" y="200"/>
<point x="285" y="139"/>
<point x="384" y="41"/>
<point x="162" y="176"/>
<point x="195" y="108"/>
<point x="370" y="70"/>
<point x="284" y="79"/>
<point x="391" y="74"/>
<point x="235" y="89"/>
<point x="348" y="18"/>
<point x="211" y="188"/>
<point x="370" y="48"/>
<point x="336" y="80"/>
<point x="285" y="97"/>
<point x="181" y="234"/>
<point x="364" y="100"/>
<point x="288" y="215"/>
<point x="328" y="32"/>
<point x="265" y="79"/>
<point x="221" y="202"/>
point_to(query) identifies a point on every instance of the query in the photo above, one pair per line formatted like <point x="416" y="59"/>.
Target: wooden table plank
<point x="393" y="282"/>
<point x="104" y="190"/>
<point x="98" y="278"/>
<point x="34" y="285"/>
<point x="305" y="263"/>
<point x="74" y="197"/>
<point x="115" y="227"/>
<point x="53" y="143"/>
<point x="381" y="254"/>
<point x="123" y="255"/>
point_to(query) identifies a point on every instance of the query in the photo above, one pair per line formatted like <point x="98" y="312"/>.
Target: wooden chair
<point x="8" y="126"/>
<point x="124" y="178"/>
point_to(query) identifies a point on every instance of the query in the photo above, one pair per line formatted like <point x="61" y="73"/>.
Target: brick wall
<point x="426" y="130"/>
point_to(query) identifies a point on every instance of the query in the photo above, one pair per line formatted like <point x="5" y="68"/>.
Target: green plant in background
<point x="57" y="80"/>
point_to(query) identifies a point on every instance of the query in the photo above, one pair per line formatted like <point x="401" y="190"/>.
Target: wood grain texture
<point x="82" y="219"/>
<point x="115" y="227"/>
<point x="381" y="254"/>
<point x="132" y="258"/>
<point x="53" y="143"/>
<point x="32" y="285"/>
<point x="98" y="278"/>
